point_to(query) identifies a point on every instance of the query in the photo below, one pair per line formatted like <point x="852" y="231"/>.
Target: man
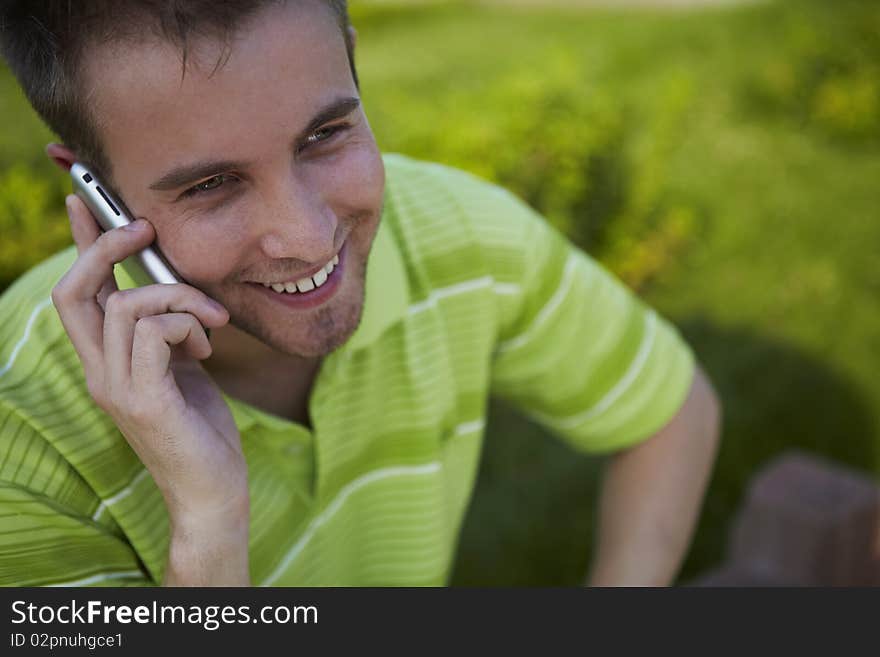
<point x="362" y="309"/>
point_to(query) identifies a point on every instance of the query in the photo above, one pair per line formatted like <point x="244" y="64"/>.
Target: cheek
<point x="356" y="183"/>
<point x="203" y="255"/>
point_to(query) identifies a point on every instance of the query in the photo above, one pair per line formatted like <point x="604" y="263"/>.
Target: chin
<point x="328" y="330"/>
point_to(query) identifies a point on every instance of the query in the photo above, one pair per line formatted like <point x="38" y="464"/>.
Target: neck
<point x="233" y="350"/>
<point x="254" y="372"/>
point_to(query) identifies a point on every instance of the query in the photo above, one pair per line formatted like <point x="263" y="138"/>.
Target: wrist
<point x="209" y="546"/>
<point x="228" y="514"/>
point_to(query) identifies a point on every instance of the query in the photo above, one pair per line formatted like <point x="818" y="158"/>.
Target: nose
<point x="298" y="224"/>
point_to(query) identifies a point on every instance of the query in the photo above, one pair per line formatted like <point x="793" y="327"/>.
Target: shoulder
<point x="452" y="218"/>
<point x="30" y="323"/>
<point x="46" y="414"/>
<point x="433" y="192"/>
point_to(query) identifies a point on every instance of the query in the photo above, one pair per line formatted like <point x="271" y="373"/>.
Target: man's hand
<point x="140" y="351"/>
<point x="651" y="496"/>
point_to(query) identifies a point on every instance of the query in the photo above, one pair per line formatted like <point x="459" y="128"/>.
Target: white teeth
<point x="306" y="284"/>
<point x="320" y="278"/>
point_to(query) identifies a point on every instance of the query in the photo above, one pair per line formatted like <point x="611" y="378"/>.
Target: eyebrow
<point x="191" y="173"/>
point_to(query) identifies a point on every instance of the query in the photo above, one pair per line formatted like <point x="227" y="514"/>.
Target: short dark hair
<point x="43" y="42"/>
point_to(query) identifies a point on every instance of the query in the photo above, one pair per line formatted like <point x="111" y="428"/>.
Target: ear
<point x="61" y="155"/>
<point x="353" y="35"/>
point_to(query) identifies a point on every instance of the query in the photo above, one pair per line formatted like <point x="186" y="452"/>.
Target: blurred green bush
<point x="825" y="72"/>
<point x="33" y="224"/>
<point x="564" y="146"/>
<point x="32" y="219"/>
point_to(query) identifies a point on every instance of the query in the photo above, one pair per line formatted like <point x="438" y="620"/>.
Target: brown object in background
<point x="805" y="522"/>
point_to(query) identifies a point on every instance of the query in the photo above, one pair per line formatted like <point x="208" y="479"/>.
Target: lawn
<point x="723" y="161"/>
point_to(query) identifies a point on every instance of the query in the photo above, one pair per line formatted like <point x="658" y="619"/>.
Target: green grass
<point x="724" y="162"/>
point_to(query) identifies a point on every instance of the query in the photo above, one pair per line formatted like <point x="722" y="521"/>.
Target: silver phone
<point x="147" y="266"/>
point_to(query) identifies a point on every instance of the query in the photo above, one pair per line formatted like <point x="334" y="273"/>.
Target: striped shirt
<point x="468" y="293"/>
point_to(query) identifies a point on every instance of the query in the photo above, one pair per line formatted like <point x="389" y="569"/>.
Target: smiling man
<point x="363" y="308"/>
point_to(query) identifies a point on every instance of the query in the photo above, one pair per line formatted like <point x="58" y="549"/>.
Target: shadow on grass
<point x="531" y="521"/>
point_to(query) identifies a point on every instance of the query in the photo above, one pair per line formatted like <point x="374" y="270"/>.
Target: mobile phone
<point x="147" y="266"/>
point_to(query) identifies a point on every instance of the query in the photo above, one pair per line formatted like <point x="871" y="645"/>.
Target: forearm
<point x="651" y="496"/>
<point x="209" y="549"/>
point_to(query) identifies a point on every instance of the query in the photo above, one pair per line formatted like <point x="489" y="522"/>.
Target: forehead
<point x="286" y="63"/>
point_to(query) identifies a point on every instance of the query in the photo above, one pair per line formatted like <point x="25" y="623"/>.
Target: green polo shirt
<point x="468" y="293"/>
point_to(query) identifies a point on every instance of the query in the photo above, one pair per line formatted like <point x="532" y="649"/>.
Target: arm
<point x="140" y="350"/>
<point x="581" y="355"/>
<point x="210" y="551"/>
<point x="651" y="496"/>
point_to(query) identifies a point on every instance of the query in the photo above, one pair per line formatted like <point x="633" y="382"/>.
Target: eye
<point x="208" y="185"/>
<point x="323" y="134"/>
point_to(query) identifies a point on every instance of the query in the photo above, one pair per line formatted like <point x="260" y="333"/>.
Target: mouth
<point x="308" y="291"/>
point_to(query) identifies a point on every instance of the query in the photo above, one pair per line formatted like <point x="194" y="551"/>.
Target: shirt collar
<point x="386" y="293"/>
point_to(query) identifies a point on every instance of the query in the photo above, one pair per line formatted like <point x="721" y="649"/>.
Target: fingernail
<point x="216" y="305"/>
<point x="135" y="226"/>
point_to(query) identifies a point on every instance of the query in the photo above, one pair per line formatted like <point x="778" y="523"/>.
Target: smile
<point x="308" y="291"/>
<point x="308" y="283"/>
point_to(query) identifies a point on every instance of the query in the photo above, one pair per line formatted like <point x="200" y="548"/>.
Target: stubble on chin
<point x="328" y="329"/>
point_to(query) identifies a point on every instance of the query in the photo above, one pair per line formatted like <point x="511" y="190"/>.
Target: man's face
<point x="262" y="171"/>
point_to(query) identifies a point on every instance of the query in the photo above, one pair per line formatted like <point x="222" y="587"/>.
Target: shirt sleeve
<point x="44" y="544"/>
<point x="576" y="350"/>
<point x="54" y="530"/>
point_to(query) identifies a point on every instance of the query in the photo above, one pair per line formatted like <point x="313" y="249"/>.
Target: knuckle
<point x="184" y="292"/>
<point x="59" y="294"/>
<point x="117" y="302"/>
<point x="103" y="247"/>
<point x="192" y="321"/>
<point x="111" y="247"/>
<point x="186" y="295"/>
<point x="144" y="326"/>
<point x="135" y="411"/>
<point x="111" y="303"/>
<point x="148" y="327"/>
<point x="106" y="242"/>
<point x="139" y="412"/>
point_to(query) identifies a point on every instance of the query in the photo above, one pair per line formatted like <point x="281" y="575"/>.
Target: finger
<point x="75" y="295"/>
<point x="83" y="226"/>
<point x="85" y="333"/>
<point x="125" y="308"/>
<point x="151" y="348"/>
<point x="86" y="231"/>
<point x="98" y="255"/>
<point x="84" y="324"/>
